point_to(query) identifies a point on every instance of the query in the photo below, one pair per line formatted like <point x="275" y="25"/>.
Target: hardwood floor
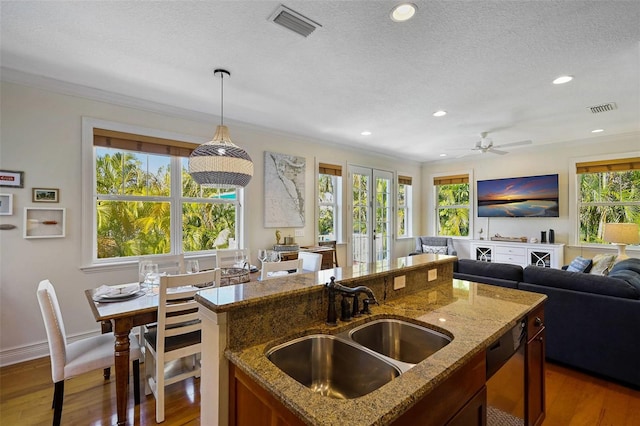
<point x="26" y="390"/>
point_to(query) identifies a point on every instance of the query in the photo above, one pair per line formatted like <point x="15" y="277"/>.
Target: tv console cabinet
<point x="517" y="253"/>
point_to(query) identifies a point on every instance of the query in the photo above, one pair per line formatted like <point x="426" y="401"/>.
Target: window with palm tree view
<point x="608" y="192"/>
<point x="148" y="204"/>
<point x="452" y="205"/>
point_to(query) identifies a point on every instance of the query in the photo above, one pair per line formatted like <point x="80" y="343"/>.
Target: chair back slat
<point x="310" y="261"/>
<point x="294" y="266"/>
<point x="226" y="258"/>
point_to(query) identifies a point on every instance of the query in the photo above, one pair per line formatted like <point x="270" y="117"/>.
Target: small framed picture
<point x="11" y="179"/>
<point x="42" y="222"/>
<point x="45" y="195"/>
<point x="6" y="204"/>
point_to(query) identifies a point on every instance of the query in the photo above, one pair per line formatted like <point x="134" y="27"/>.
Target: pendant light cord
<point x="222" y="99"/>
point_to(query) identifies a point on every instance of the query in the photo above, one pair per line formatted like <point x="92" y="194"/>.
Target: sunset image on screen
<point x="532" y="196"/>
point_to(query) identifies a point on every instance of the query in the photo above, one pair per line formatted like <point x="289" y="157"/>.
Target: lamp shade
<point x="621" y="233"/>
<point x="220" y="163"/>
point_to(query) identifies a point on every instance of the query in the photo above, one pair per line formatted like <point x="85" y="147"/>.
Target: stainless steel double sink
<point x="358" y="361"/>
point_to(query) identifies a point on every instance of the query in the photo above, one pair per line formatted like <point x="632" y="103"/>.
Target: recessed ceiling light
<point x="563" y="79"/>
<point x="443" y="155"/>
<point x="440" y="113"/>
<point x="597" y="131"/>
<point x="403" y="12"/>
<point x="365" y="133"/>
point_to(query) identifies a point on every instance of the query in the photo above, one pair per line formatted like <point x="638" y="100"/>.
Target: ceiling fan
<point x="485" y="144"/>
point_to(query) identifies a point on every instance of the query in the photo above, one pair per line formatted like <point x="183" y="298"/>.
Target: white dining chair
<point x="278" y="269"/>
<point x="69" y="359"/>
<point x="228" y="258"/>
<point x="177" y="338"/>
<point x="171" y="264"/>
<point x="311" y="262"/>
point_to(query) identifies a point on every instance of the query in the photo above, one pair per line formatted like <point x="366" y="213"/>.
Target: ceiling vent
<point x="603" y="107"/>
<point x="294" y="21"/>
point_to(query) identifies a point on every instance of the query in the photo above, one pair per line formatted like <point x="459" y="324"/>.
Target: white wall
<point x="529" y="161"/>
<point x="41" y="135"/>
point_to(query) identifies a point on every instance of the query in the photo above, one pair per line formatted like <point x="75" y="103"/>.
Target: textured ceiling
<point x="488" y="63"/>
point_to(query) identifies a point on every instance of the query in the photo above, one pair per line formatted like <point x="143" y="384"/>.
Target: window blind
<point x="330" y="169"/>
<point x="617" y="165"/>
<point x="141" y="143"/>
<point x="452" y="179"/>
<point x="404" y="180"/>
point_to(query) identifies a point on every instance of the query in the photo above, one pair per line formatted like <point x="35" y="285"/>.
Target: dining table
<point x="120" y="316"/>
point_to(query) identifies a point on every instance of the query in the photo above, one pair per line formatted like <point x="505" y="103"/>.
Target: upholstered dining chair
<point x="177" y="338"/>
<point x="69" y="359"/>
<point x="311" y="262"/>
<point x="276" y="269"/>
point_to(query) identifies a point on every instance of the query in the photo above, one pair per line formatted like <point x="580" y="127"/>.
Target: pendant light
<point x="220" y="163"/>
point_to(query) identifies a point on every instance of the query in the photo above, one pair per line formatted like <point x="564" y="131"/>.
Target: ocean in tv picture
<point x="527" y="208"/>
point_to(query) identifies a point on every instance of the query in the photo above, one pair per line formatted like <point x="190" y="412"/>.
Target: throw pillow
<point x="602" y="263"/>
<point x="580" y="264"/>
<point x="434" y="249"/>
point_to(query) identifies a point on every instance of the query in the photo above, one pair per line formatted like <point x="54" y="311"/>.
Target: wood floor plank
<point x="573" y="399"/>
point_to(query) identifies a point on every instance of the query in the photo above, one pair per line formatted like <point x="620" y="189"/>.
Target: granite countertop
<point x="474" y="314"/>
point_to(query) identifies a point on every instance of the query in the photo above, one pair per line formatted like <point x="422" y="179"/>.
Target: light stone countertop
<point x="474" y="314"/>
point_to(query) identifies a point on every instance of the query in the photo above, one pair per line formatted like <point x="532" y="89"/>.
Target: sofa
<point x="592" y="321"/>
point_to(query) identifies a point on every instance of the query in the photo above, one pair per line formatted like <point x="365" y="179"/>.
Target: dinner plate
<point x="119" y="297"/>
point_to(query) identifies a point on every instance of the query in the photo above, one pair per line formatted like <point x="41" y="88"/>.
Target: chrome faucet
<point x="334" y="287"/>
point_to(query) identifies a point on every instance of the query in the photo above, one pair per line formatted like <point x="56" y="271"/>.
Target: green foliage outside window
<point x="453" y="209"/>
<point x="610" y="197"/>
<point x="133" y="207"/>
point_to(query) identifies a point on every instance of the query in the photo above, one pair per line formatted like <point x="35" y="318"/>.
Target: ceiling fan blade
<point x="527" y="142"/>
<point x="497" y="151"/>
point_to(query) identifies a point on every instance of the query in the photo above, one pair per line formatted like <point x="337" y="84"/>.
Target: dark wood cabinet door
<point x="534" y="371"/>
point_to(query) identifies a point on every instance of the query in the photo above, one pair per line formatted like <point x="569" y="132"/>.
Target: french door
<point x="371" y="208"/>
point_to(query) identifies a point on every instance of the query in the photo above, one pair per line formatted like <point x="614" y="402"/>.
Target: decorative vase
<point x="552" y="236"/>
<point x="543" y="236"/>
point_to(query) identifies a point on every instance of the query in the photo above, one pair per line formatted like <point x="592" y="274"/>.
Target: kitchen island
<point x="242" y="322"/>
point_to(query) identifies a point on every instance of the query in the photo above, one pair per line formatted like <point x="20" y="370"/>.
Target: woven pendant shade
<point x="220" y="163"/>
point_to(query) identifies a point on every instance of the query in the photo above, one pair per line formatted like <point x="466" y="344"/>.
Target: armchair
<point x="432" y="244"/>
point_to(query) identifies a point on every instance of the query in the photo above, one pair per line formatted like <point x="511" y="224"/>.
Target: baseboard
<point x="34" y="351"/>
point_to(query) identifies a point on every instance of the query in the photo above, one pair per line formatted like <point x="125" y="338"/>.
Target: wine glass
<point x="262" y="255"/>
<point x="193" y="266"/>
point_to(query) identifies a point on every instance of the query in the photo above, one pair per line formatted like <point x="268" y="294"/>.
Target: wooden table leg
<point x="122" y="329"/>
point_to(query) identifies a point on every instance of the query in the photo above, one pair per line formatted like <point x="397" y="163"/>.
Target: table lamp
<point x="621" y="234"/>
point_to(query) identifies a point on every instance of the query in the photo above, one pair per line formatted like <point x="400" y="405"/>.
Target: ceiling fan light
<point x="440" y="113"/>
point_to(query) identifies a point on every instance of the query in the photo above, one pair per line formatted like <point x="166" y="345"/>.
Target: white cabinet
<point x="523" y="254"/>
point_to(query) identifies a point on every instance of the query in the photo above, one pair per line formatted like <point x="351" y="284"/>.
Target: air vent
<point x="294" y="21"/>
<point x="603" y="108"/>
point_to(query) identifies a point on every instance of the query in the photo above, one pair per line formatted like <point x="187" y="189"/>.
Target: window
<point x="145" y="202"/>
<point x="608" y="192"/>
<point x="405" y="203"/>
<point x="329" y="196"/>
<point x="452" y="205"/>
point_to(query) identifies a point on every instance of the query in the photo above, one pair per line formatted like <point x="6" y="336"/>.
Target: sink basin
<point x="331" y="366"/>
<point x="400" y="340"/>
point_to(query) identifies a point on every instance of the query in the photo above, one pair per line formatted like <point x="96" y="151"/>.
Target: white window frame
<point x="89" y="234"/>
<point x="336" y="204"/>
<point x="408" y="210"/>
<point x="434" y="223"/>
<point x="574" y="189"/>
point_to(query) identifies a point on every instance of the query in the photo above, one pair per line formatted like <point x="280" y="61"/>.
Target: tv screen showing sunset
<point x="532" y="196"/>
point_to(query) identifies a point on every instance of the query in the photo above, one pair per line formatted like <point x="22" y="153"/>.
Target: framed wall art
<point x="11" y="178"/>
<point x="284" y="186"/>
<point x="45" y="195"/>
<point x="6" y="204"/>
<point x="42" y="222"/>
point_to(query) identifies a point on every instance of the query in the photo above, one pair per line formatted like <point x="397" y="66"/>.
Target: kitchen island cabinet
<point x="255" y="317"/>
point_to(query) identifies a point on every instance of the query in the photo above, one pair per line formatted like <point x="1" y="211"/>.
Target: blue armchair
<point x="432" y="244"/>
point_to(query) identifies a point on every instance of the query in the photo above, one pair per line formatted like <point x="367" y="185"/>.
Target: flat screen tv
<point x="530" y="196"/>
